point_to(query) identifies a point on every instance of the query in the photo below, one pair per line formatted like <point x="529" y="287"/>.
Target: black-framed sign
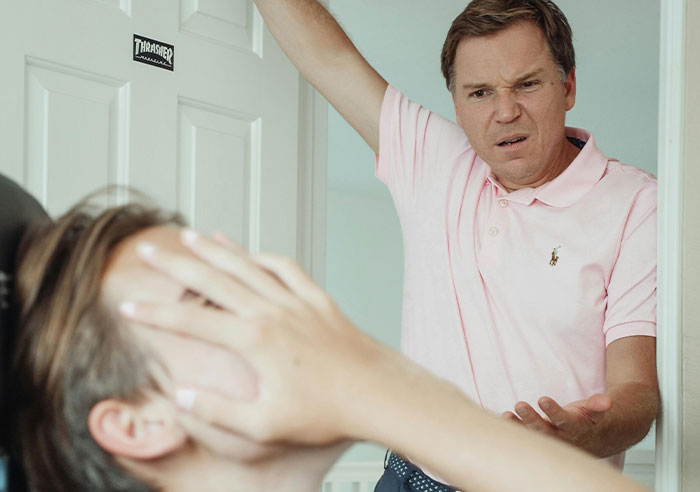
<point x="155" y="53"/>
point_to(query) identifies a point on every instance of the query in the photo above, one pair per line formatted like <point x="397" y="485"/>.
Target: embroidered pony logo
<point x="555" y="256"/>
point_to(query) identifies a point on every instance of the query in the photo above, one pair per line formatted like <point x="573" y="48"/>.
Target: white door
<point x="216" y="138"/>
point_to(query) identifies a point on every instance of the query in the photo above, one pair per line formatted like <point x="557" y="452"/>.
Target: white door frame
<point x="313" y="178"/>
<point x="671" y="158"/>
<point x="313" y="170"/>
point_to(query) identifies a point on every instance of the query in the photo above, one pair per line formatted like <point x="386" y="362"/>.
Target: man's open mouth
<point x="505" y="143"/>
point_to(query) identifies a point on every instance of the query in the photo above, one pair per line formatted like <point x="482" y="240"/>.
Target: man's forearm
<point x="322" y="52"/>
<point x="307" y="33"/>
<point x="635" y="406"/>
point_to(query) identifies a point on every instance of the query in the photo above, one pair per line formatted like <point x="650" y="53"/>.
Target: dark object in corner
<point x="18" y="209"/>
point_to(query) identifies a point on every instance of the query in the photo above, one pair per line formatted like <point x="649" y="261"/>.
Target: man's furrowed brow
<point x="471" y="86"/>
<point x="528" y="76"/>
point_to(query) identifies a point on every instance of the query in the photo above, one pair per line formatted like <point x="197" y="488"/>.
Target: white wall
<point x="364" y="272"/>
<point x="617" y="46"/>
<point x="691" y="259"/>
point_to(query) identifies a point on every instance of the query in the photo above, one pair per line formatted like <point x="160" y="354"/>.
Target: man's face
<point x="511" y="103"/>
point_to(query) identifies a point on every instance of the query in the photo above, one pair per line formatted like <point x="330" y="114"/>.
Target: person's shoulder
<point x="407" y="107"/>
<point x="630" y="184"/>
<point x="441" y="137"/>
<point x="628" y="172"/>
<point x="628" y="176"/>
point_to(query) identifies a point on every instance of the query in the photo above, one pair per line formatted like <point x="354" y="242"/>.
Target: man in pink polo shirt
<point x="530" y="257"/>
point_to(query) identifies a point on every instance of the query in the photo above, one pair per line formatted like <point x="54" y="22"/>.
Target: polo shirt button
<point x="503" y="203"/>
<point x="493" y="231"/>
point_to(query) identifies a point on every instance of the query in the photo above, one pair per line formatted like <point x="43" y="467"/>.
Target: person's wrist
<point x="385" y="388"/>
<point x="366" y="381"/>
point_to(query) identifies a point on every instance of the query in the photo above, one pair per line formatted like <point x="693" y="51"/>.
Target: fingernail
<point x="128" y="308"/>
<point x="522" y="412"/>
<point x="146" y="250"/>
<point x="185" y="398"/>
<point x="545" y="405"/>
<point x="189" y="236"/>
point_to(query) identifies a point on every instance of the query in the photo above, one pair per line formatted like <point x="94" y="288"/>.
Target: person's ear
<point x="570" y="89"/>
<point x="136" y="430"/>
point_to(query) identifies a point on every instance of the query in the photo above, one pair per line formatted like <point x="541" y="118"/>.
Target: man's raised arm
<point x="323" y="53"/>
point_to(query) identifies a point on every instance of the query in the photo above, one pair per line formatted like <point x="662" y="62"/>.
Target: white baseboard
<point x="358" y="476"/>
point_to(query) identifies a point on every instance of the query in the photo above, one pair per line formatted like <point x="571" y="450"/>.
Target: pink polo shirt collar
<point x="570" y="186"/>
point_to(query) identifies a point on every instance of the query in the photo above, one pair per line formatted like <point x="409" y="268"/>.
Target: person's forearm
<point x="307" y="33"/>
<point x="323" y="53"/>
<point x="635" y="406"/>
<point x="434" y="424"/>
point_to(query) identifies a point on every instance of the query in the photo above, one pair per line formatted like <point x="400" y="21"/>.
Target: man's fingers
<point x="576" y="416"/>
<point x="597" y="406"/>
<point x="204" y="323"/>
<point x="556" y="414"/>
<point x="531" y="418"/>
<point x="599" y="403"/>
<point x="511" y="417"/>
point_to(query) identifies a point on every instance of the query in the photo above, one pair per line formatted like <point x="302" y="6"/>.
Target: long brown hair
<point x="486" y="17"/>
<point x="71" y="351"/>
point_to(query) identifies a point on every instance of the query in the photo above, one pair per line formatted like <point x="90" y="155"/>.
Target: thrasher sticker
<point x="154" y="52"/>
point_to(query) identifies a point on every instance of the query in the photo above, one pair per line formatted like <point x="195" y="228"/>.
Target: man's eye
<point x="478" y="94"/>
<point x="529" y="84"/>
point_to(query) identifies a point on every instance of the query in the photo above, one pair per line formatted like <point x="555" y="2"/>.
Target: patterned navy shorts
<point x="402" y="476"/>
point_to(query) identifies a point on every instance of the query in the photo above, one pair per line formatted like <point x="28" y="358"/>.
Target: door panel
<point x="95" y="108"/>
<point x="217" y="138"/>
<point x="124" y="5"/>
<point x="214" y="165"/>
<point x="229" y="22"/>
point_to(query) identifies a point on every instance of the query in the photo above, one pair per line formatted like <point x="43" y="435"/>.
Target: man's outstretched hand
<point x="573" y="423"/>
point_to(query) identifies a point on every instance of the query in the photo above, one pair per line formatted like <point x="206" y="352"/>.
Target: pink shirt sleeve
<point x="631" y="308"/>
<point x="415" y="144"/>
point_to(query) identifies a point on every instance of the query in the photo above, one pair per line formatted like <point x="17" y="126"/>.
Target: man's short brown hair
<point x="487" y="17"/>
<point x="72" y="351"/>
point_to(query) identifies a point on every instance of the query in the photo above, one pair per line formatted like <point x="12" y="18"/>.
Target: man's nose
<point x="507" y="107"/>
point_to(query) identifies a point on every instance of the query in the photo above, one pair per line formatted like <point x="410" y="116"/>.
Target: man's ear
<point x="570" y="89"/>
<point x="144" y="431"/>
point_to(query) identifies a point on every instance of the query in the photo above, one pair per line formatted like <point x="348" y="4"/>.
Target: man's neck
<point x="566" y="155"/>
